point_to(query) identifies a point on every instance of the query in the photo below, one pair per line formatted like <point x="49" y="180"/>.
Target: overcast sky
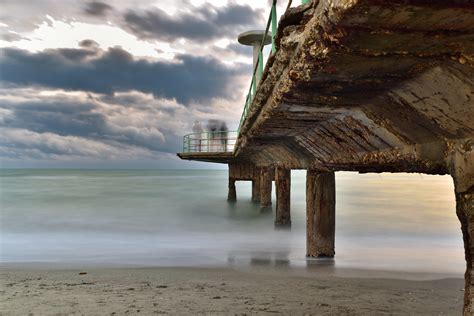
<point x="117" y="83"/>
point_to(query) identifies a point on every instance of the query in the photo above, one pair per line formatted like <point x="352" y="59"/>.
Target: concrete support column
<point x="461" y="166"/>
<point x="256" y="54"/>
<point x="283" y="188"/>
<point x="232" y="195"/>
<point x="266" y="178"/>
<point x="465" y="213"/>
<point x="256" y="189"/>
<point x="320" y="213"/>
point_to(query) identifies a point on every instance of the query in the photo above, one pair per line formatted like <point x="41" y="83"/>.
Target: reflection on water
<point x="403" y="222"/>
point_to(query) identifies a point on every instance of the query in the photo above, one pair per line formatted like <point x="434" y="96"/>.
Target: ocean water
<point x="394" y="222"/>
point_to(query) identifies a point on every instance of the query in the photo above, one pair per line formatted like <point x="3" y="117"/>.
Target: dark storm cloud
<point x="88" y="43"/>
<point x="203" y="23"/>
<point x="97" y="8"/>
<point x="187" y="78"/>
<point x="11" y="37"/>
<point x="240" y="49"/>
<point x="60" y="116"/>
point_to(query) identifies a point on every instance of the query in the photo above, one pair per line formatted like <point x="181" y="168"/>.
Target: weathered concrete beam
<point x="320" y="213"/>
<point x="226" y="157"/>
<point x="242" y="170"/>
<point x="266" y="177"/>
<point x="283" y="189"/>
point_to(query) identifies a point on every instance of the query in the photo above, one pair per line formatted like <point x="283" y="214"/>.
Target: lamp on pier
<point x="255" y="39"/>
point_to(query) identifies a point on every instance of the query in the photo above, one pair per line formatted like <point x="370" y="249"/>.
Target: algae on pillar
<point x="320" y="213"/>
<point x="283" y="188"/>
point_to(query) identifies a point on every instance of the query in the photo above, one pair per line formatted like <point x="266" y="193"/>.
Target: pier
<point x="356" y="85"/>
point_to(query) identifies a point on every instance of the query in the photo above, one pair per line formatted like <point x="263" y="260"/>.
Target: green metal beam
<point x="272" y="23"/>
<point x="274" y="27"/>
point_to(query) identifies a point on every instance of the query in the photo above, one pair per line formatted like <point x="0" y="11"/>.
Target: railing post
<point x="219" y="141"/>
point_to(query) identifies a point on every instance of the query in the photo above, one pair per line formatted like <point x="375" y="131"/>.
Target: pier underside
<point x="369" y="86"/>
<point x="366" y="86"/>
<point x="219" y="157"/>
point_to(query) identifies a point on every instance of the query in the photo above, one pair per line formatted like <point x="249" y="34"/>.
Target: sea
<point x="387" y="222"/>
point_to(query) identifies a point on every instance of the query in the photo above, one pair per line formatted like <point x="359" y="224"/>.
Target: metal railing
<point x="258" y="70"/>
<point x="210" y="142"/>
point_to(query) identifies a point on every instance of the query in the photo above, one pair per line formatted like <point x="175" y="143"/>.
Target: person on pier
<point x="198" y="136"/>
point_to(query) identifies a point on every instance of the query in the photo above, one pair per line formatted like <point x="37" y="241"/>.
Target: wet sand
<point x="42" y="290"/>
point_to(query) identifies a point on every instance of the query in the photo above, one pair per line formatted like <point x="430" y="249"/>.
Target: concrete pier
<point x="366" y="86"/>
<point x="465" y="213"/>
<point x="256" y="189"/>
<point x="232" y="195"/>
<point x="266" y="177"/>
<point x="283" y="189"/>
<point x="320" y="213"/>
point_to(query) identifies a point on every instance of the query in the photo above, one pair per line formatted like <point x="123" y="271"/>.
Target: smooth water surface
<point x="400" y="222"/>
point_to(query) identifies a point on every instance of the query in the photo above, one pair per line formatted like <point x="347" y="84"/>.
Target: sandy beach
<point x="39" y="290"/>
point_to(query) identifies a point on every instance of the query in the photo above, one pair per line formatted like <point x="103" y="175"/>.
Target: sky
<point x="116" y="84"/>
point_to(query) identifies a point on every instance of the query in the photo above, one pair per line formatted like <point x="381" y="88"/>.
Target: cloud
<point x="62" y="117"/>
<point x="11" y="37"/>
<point x="58" y="125"/>
<point x="49" y="144"/>
<point x="25" y="16"/>
<point x="239" y="49"/>
<point x="81" y="98"/>
<point x="187" y="78"/>
<point x="203" y="23"/>
<point x="104" y="120"/>
<point x="88" y="43"/>
<point x="97" y="8"/>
